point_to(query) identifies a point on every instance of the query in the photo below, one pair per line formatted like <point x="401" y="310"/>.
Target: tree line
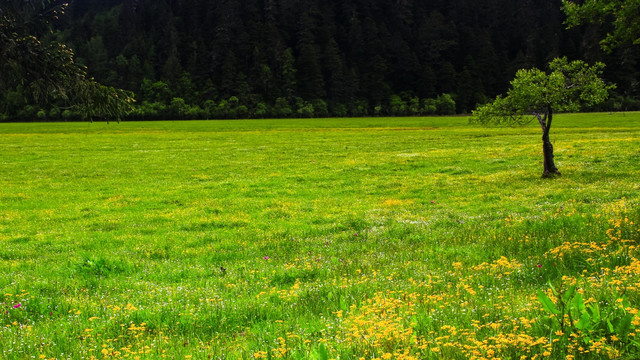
<point x="313" y="58"/>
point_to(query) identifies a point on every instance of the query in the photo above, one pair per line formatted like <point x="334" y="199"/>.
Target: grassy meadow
<point x="382" y="238"/>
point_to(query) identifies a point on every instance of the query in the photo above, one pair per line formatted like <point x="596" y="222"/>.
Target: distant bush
<point x="429" y="107"/>
<point x="261" y="110"/>
<point x="414" y="106"/>
<point x="629" y="104"/>
<point x="282" y="108"/>
<point x="397" y="106"/>
<point x="178" y="107"/>
<point x="69" y="115"/>
<point x="305" y="109"/>
<point x="320" y="108"/>
<point x="242" y="111"/>
<point x="155" y="91"/>
<point x="195" y="112"/>
<point x="617" y="103"/>
<point x="405" y="104"/>
<point x="209" y="108"/>
<point x="154" y="105"/>
<point x="339" y="110"/>
<point x="54" y="113"/>
<point x="149" y="110"/>
<point x="445" y="105"/>
<point x="28" y="112"/>
<point x="359" y="108"/>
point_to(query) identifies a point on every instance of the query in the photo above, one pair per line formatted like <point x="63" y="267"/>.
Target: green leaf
<point x="578" y="304"/>
<point x="343" y="304"/>
<point x="547" y="304"/>
<point x="594" y="311"/>
<point x="566" y="297"/>
<point x="585" y="322"/>
<point x="413" y="321"/>
<point x="321" y="353"/>
<point x="623" y="326"/>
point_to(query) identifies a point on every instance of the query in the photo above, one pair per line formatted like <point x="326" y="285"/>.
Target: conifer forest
<point x="312" y="58"/>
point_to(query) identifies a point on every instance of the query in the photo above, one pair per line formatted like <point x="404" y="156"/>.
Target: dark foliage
<point x="36" y="71"/>
<point x="285" y="58"/>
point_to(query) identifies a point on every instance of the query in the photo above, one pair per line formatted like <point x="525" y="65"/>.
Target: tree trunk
<point x="550" y="168"/>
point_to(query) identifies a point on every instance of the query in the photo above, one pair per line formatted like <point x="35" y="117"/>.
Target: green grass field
<point x="384" y="238"/>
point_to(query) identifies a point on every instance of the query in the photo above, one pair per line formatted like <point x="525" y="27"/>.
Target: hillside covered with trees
<point x="284" y="58"/>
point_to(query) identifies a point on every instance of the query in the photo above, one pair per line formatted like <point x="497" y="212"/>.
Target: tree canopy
<point x="536" y="94"/>
<point x="568" y="86"/>
<point x="622" y="15"/>
<point x="44" y="70"/>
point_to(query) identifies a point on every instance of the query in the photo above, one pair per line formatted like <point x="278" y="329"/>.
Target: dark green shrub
<point x="445" y="105"/>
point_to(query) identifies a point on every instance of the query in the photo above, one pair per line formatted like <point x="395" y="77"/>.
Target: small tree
<point x="535" y="94"/>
